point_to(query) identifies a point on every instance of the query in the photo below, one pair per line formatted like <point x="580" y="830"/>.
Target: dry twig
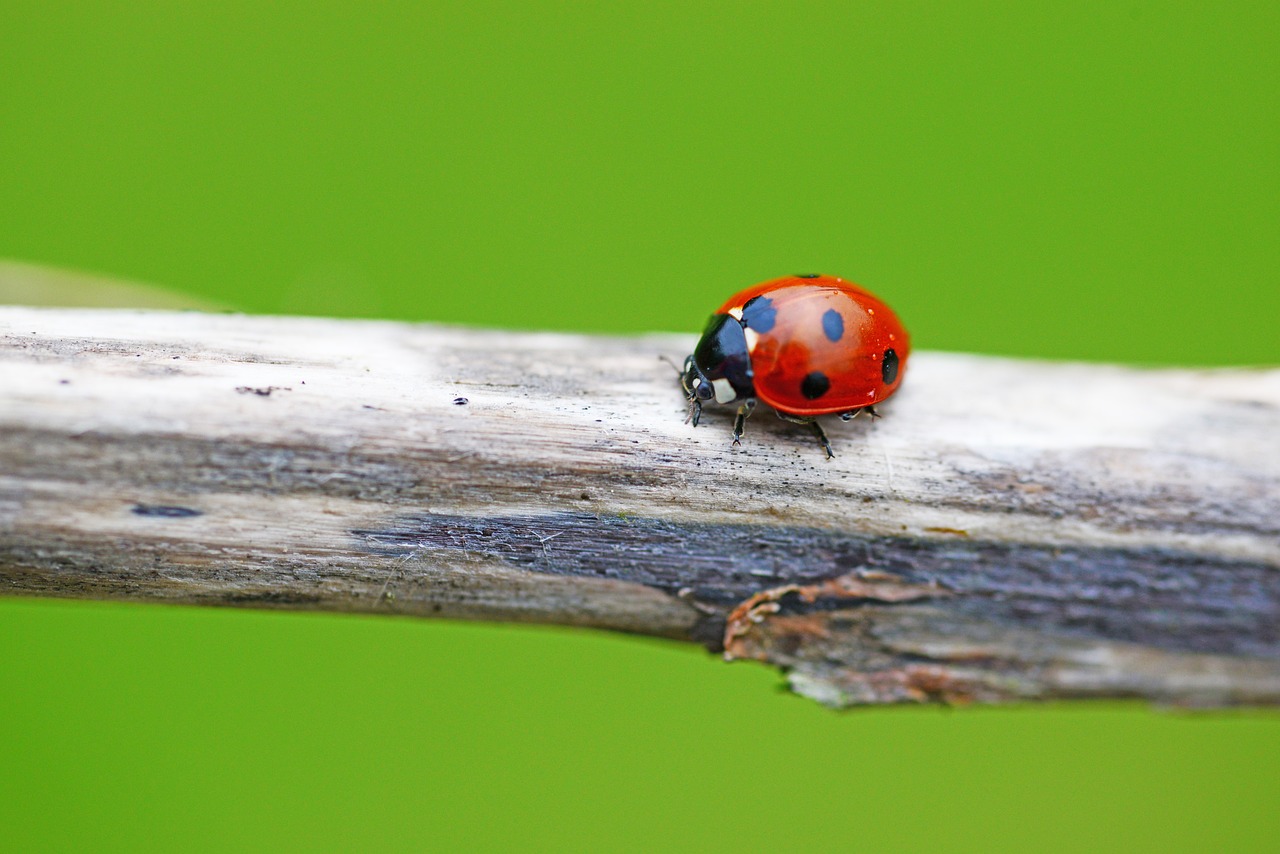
<point x="1009" y="530"/>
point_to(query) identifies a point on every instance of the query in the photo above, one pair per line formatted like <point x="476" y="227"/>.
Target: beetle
<point x="806" y="345"/>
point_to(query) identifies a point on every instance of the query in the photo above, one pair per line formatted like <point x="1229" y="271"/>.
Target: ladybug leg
<point x="854" y="413"/>
<point x="740" y="422"/>
<point x="814" y="426"/>
<point x="695" y="412"/>
<point x="822" y="437"/>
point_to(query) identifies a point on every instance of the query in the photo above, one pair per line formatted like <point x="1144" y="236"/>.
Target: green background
<point x="1066" y="180"/>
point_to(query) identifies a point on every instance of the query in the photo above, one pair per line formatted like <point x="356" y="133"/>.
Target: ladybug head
<point x="719" y="370"/>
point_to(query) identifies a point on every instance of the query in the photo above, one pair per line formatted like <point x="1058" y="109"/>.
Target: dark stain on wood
<point x="1205" y="497"/>
<point x="1155" y="597"/>
<point x="269" y="599"/>
<point x="165" y="511"/>
<point x="1204" y="503"/>
<point x="264" y="391"/>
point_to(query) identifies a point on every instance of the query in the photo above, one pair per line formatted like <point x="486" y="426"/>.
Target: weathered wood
<point x="1009" y="529"/>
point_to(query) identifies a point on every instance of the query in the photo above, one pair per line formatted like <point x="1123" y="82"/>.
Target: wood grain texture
<point x="1009" y="530"/>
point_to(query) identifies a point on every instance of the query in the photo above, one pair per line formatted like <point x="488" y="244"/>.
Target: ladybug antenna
<point x="667" y="359"/>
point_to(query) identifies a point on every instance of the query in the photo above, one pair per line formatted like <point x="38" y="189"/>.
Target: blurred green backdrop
<point x="1067" y="180"/>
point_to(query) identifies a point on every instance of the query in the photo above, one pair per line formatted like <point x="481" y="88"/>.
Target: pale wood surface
<point x="1009" y="530"/>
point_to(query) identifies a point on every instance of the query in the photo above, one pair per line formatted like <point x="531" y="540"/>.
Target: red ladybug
<point x="807" y="345"/>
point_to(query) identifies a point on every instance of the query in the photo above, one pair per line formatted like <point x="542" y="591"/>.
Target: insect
<point x="806" y="345"/>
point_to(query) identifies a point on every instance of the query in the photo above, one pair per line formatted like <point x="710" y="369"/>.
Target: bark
<point x="1009" y="530"/>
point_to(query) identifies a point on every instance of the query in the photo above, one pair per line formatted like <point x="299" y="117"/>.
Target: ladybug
<point x="807" y="345"/>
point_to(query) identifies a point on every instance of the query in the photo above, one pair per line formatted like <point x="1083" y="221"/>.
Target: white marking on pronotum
<point x="752" y="338"/>
<point x="736" y="313"/>
<point x="724" y="390"/>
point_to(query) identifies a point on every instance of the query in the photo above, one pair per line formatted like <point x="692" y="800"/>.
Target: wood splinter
<point x="1089" y="531"/>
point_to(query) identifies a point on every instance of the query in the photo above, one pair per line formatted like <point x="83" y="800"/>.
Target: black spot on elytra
<point x="815" y="385"/>
<point x="165" y="511"/>
<point x="759" y="314"/>
<point x="833" y="324"/>
<point x="808" y="275"/>
<point x="889" y="368"/>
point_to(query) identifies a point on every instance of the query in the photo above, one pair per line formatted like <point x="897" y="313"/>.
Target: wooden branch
<point x="1009" y="530"/>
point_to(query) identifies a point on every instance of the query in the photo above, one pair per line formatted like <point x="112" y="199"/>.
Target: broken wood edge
<point x="849" y="642"/>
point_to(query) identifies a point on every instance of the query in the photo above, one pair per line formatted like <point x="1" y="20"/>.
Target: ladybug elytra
<point x="806" y="345"/>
